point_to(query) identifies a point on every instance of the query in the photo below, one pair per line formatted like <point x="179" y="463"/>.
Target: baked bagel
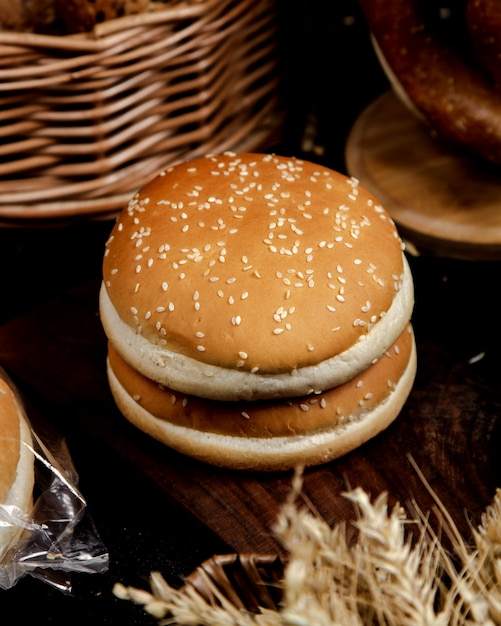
<point x="483" y="19"/>
<point x="439" y="79"/>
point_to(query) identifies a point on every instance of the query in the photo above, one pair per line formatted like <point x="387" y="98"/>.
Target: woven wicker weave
<point x="249" y="581"/>
<point x="87" y="119"/>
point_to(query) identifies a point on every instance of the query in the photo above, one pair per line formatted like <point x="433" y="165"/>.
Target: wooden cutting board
<point x="444" y="201"/>
<point x="56" y="355"/>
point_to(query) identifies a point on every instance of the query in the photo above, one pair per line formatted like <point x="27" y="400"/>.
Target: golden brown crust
<point x="82" y="15"/>
<point x="9" y="438"/>
<point x="253" y="261"/>
<point x="258" y="452"/>
<point x="483" y="20"/>
<point x="17" y="474"/>
<point x="283" y="417"/>
<point x="456" y="99"/>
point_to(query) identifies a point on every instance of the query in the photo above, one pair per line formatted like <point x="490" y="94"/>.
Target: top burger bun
<point x="251" y="276"/>
<point x="16" y="464"/>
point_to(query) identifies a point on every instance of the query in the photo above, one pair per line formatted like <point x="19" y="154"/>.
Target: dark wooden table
<point x="158" y="510"/>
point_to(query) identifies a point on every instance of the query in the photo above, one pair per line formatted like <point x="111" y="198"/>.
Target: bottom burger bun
<point x="16" y="465"/>
<point x="270" y="435"/>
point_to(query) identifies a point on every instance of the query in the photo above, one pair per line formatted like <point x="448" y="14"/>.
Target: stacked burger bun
<point x="16" y="466"/>
<point x="257" y="310"/>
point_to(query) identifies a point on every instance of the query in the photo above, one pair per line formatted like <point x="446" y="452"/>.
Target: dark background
<point x="329" y="75"/>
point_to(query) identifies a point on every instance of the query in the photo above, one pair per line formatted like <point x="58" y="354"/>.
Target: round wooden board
<point x="443" y="202"/>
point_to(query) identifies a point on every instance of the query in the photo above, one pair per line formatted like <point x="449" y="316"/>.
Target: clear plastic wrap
<point x="58" y="536"/>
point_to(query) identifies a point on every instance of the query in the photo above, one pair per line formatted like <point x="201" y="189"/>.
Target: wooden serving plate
<point x="443" y="201"/>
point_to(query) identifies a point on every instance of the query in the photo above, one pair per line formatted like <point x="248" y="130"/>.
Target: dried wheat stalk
<point x="396" y="573"/>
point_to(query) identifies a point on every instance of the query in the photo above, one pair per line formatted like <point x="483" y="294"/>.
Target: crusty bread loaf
<point x="16" y="463"/>
<point x="82" y="15"/>
<point x="65" y="17"/>
<point x="27" y="15"/>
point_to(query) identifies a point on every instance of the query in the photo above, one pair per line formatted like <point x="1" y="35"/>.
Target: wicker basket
<point x="250" y="582"/>
<point x="86" y="119"/>
<point x="234" y="585"/>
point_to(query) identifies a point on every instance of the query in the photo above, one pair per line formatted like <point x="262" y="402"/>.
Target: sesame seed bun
<point x="16" y="463"/>
<point x="272" y="434"/>
<point x="257" y="310"/>
<point x="250" y="277"/>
